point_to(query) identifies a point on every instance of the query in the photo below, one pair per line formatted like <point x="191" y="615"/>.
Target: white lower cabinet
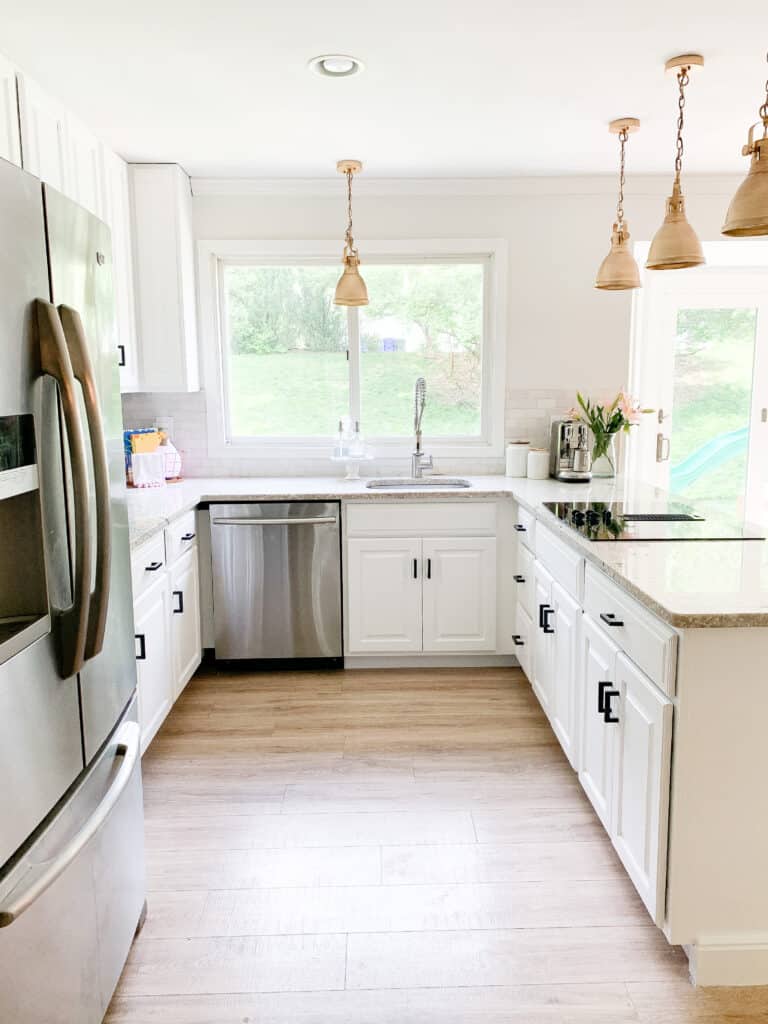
<point x="414" y="594"/>
<point x="564" y="691"/>
<point x="384" y="594"/>
<point x="598" y="660"/>
<point x="459" y="594"/>
<point x="154" y="663"/>
<point x="543" y="637"/>
<point x="640" y="804"/>
<point x="185" y="619"/>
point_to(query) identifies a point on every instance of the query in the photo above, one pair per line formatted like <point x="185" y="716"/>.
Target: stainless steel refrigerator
<point x="71" y="821"/>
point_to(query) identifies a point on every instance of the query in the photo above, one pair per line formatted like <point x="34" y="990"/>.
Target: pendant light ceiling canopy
<point x="351" y="290"/>
<point x="675" y="245"/>
<point x="619" y="270"/>
<point x="748" y="213"/>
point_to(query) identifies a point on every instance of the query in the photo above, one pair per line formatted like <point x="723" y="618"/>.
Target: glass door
<point x="700" y="362"/>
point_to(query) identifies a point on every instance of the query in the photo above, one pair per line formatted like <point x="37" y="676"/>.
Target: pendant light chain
<point x="623" y="136"/>
<point x="682" y="80"/>
<point x="350" y="242"/>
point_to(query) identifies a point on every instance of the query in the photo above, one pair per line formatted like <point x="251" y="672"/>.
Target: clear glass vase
<point x="604" y="463"/>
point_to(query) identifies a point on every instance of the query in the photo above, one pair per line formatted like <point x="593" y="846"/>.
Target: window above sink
<point x="287" y="363"/>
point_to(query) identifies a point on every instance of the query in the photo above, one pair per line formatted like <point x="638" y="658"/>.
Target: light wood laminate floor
<point x="387" y="847"/>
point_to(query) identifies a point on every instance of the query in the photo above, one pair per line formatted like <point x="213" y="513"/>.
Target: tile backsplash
<point x="527" y="417"/>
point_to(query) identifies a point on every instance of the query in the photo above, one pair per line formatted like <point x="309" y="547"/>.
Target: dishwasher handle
<point x="308" y="521"/>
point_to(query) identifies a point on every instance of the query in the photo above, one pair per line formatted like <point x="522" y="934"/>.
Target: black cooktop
<point x="617" y="520"/>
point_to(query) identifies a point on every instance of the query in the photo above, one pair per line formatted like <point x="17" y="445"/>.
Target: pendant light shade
<point x="350" y="290"/>
<point x="619" y="270"/>
<point x="675" y="245"/>
<point x="748" y="213"/>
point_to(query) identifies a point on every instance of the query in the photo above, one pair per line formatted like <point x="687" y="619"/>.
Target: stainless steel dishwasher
<point x="276" y="579"/>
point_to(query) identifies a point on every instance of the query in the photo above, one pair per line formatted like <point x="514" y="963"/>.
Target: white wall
<point x="562" y="334"/>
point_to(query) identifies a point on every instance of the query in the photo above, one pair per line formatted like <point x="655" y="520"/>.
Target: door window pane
<point x="285" y="361"/>
<point x="713" y="367"/>
<point x="423" y="320"/>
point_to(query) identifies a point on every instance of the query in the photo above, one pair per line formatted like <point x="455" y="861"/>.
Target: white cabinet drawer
<point x="180" y="536"/>
<point x="526" y="527"/>
<point x="647" y="641"/>
<point x="564" y="562"/>
<point x="147" y="561"/>
<point x="524" y="578"/>
<point x="422" y="519"/>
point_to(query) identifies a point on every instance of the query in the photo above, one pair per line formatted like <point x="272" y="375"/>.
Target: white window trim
<point x="492" y="250"/>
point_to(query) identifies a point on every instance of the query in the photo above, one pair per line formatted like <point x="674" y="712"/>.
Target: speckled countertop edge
<point x="144" y="527"/>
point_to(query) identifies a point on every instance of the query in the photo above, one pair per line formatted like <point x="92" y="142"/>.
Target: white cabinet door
<point x="185" y="619"/>
<point x="118" y="216"/>
<point x="598" y="738"/>
<point x="10" y="139"/>
<point x="523" y="640"/>
<point x="459" y="593"/>
<point x="564" y="703"/>
<point x="43" y="135"/>
<point x="384" y="594"/>
<point x="543" y="636"/>
<point x="641" y="786"/>
<point x="166" y="316"/>
<point x="154" y="666"/>
<point x="85" y="167"/>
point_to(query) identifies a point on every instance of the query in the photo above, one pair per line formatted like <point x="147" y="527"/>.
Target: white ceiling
<point x="452" y="89"/>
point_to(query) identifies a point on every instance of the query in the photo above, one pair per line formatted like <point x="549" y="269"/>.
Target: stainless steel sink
<point x="415" y="483"/>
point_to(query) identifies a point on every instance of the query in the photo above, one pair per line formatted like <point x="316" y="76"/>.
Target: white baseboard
<point x="431" y="661"/>
<point x="730" y="962"/>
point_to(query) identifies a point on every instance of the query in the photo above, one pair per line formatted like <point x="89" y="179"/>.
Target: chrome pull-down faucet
<point x="419" y="461"/>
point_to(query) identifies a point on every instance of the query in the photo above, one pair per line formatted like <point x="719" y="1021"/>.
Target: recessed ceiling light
<point x="336" y="65"/>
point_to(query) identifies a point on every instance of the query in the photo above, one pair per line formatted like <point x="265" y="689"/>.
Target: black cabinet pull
<point x="604" y="695"/>
<point x="520" y="528"/>
<point x="415" y="568"/>
<point x="187" y="536"/>
<point x="142" y="655"/>
<point x="179" y="609"/>
<point x="610" y="619"/>
<point x="517" y="640"/>
<point x="518" y="578"/>
<point x="545" y="611"/>
<point x="121" y="350"/>
<point x="429" y="568"/>
<point x="153" y="567"/>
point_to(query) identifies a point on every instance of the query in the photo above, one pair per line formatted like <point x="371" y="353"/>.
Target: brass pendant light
<point x="619" y="269"/>
<point x="676" y="245"/>
<point x="351" y="290"/>
<point x="748" y="212"/>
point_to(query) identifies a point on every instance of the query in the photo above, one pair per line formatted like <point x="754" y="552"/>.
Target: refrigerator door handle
<point x="72" y="622"/>
<point x="77" y="344"/>
<point x="44" y="874"/>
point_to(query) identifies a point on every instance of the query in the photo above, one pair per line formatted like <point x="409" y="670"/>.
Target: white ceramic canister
<point x="538" y="463"/>
<point x="517" y="458"/>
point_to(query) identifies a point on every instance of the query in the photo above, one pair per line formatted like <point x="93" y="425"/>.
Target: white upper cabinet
<point x="43" y="135"/>
<point x="459" y="586"/>
<point x="164" y="277"/>
<point x="10" y="139"/>
<point x="118" y="216"/>
<point x="85" y="167"/>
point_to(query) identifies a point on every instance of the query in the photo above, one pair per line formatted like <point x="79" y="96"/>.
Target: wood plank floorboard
<point x="387" y="847"/>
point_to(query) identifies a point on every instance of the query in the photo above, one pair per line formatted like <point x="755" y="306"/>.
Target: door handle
<point x="233" y="521"/>
<point x="187" y="536"/>
<point x="415" y="568"/>
<point x="604" y="695"/>
<point x="72" y="622"/>
<point x="77" y="343"/>
<point x="42" y="876"/>
<point x="142" y="655"/>
<point x="545" y="611"/>
<point x="179" y="609"/>
<point x="518" y="578"/>
<point x="517" y="640"/>
<point x="520" y="528"/>
<point x="429" y="568"/>
<point x="663" y="448"/>
<point x="121" y="350"/>
<point x="153" y="567"/>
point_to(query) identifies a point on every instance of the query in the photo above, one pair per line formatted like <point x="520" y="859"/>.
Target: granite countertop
<point x="689" y="584"/>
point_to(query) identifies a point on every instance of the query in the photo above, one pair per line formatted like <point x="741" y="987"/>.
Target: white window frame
<point x="491" y="252"/>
